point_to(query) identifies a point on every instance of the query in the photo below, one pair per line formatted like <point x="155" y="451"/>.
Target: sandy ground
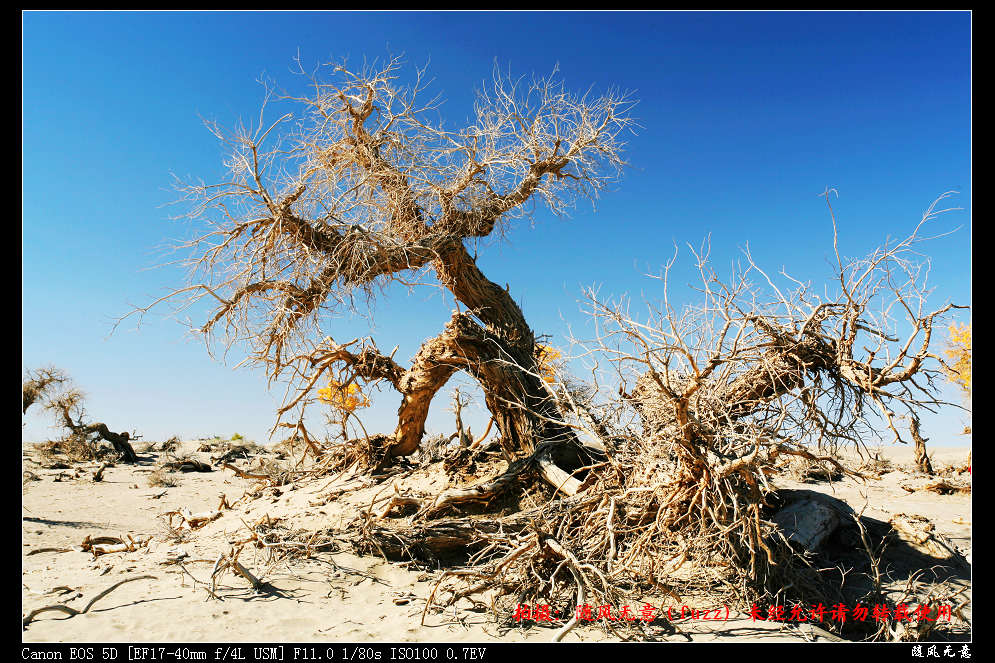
<point x="339" y="596"/>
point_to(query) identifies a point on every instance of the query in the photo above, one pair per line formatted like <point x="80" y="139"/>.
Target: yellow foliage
<point x="547" y="355"/>
<point x="959" y="354"/>
<point x="343" y="398"/>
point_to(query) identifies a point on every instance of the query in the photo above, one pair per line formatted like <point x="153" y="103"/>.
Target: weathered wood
<point x="188" y="465"/>
<point x="120" y="440"/>
<point x="99" y="474"/>
<point x="541" y="461"/>
<point x="922" y="458"/>
<point x="456" y="537"/>
<point x="938" y="485"/>
<point x="921" y="534"/>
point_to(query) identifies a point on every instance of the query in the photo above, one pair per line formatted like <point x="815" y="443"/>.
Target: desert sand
<point x="335" y="596"/>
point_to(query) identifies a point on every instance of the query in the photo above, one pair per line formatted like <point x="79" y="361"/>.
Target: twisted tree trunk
<point x="415" y="196"/>
<point x="493" y="343"/>
<point x="120" y="441"/>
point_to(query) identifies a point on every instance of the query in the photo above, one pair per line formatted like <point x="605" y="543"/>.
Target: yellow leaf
<point x="546" y="356"/>
<point x="958" y="352"/>
<point x="344" y="398"/>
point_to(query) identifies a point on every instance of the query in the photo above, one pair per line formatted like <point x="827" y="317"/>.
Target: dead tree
<point x="68" y="410"/>
<point x="726" y="387"/>
<point x="37" y="384"/>
<point x="366" y="187"/>
<point x="717" y="393"/>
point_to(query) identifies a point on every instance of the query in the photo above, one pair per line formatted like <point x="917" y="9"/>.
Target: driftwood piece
<point x="563" y="481"/>
<point x="192" y="520"/>
<point x="938" y="485"/>
<point x="921" y="534"/>
<point x="103" y="545"/>
<point x="188" y="465"/>
<point x="131" y="545"/>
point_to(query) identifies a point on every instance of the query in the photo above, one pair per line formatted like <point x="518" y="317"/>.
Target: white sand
<point x="342" y="597"/>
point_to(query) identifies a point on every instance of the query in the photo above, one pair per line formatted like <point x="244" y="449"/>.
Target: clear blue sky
<point x="746" y="118"/>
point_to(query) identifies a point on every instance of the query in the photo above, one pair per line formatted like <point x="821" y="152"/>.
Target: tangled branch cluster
<point x="716" y="397"/>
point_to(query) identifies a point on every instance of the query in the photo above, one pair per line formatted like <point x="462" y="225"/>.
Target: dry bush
<point x="72" y="448"/>
<point x="162" y="477"/>
<point x="433" y="447"/>
<point x="876" y="466"/>
<point x="804" y="469"/>
<point x="170" y="445"/>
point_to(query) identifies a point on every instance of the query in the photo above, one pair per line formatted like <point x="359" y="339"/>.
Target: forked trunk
<point x="493" y="343"/>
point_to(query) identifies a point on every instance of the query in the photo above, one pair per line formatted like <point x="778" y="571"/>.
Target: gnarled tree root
<point x="540" y="461"/>
<point x="455" y="537"/>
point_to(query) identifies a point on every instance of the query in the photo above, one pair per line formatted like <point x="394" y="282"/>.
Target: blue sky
<point x="745" y="119"/>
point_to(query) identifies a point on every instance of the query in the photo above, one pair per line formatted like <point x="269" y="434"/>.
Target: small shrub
<point x="162" y="478"/>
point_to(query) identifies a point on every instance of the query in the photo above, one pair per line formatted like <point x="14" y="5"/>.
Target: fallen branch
<point x="193" y="520"/>
<point x="246" y="475"/>
<point x="72" y="612"/>
<point x="131" y="545"/>
<point x="188" y="465"/>
<point x="41" y="550"/>
<point x="231" y="561"/>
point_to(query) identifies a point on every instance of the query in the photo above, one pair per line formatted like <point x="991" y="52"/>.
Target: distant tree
<point x="69" y="411"/>
<point x="36" y="384"/>
<point x="54" y="389"/>
<point x="958" y="352"/>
